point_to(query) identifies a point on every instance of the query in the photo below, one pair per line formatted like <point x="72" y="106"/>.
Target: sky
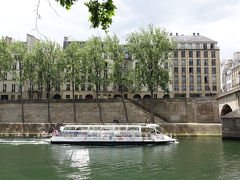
<point x="216" y="19"/>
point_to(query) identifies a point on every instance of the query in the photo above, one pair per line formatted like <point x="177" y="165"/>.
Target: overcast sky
<point x="216" y="19"/>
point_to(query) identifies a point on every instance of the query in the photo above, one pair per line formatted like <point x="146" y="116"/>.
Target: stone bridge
<point x="229" y="101"/>
<point x="229" y="111"/>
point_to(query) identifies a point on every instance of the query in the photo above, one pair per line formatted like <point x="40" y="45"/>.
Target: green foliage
<point x="151" y="49"/>
<point x="101" y="12"/>
<point x="46" y="57"/>
<point x="116" y="52"/>
<point x="96" y="64"/>
<point x="6" y="58"/>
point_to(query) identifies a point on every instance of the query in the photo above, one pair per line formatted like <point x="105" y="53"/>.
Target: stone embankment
<point x="176" y="117"/>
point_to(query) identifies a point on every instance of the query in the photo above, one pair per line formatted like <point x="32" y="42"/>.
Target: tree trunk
<point x="23" y="121"/>
<point x="99" y="107"/>
<point x="152" y="106"/>
<point x="48" y="101"/>
<point x="125" y="107"/>
<point x="74" y="105"/>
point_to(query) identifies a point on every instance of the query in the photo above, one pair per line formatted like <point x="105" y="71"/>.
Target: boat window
<point x="146" y="129"/>
<point x="107" y="128"/>
<point x="120" y="128"/>
<point x="81" y="128"/>
<point x="94" y="128"/>
<point x="69" y="128"/>
<point x="133" y="128"/>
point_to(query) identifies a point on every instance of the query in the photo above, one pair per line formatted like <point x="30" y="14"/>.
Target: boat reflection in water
<point x="110" y="135"/>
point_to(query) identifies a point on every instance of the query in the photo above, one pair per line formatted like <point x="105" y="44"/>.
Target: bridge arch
<point x="226" y="109"/>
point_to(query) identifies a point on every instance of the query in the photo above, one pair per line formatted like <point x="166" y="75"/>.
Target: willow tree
<point x="6" y="58"/>
<point x="150" y="49"/>
<point x="96" y="67"/>
<point x="48" y="74"/>
<point x="24" y="70"/>
<point x="73" y="68"/>
<point x="120" y="72"/>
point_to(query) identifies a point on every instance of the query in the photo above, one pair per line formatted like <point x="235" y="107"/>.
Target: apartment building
<point x="195" y="72"/>
<point x="196" y="66"/>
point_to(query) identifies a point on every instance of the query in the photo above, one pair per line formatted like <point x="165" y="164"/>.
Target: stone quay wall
<point x="174" y="115"/>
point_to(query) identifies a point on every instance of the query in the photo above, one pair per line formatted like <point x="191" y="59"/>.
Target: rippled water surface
<point x="193" y="158"/>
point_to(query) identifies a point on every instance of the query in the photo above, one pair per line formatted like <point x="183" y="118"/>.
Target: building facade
<point x="194" y="68"/>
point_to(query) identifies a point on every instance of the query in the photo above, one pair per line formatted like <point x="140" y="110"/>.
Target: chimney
<point x="193" y="34"/>
<point x="65" y="38"/>
<point x="170" y="34"/>
<point x="176" y="34"/>
<point x="198" y="34"/>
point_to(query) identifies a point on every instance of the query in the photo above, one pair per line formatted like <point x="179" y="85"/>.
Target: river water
<point x="192" y="158"/>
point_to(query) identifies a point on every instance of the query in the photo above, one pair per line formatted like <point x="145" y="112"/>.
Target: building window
<point x="155" y="96"/>
<point x="191" y="70"/>
<point x="176" y="70"/>
<point x="213" y="54"/>
<point x="83" y="87"/>
<point x="31" y="86"/>
<point x="12" y="97"/>
<point x="211" y="46"/>
<point x="199" y="87"/>
<point x="5" y="76"/>
<point x="205" y="70"/>
<point x="183" y="54"/>
<point x="4" y="87"/>
<point x="105" y="87"/>
<point x="214" y="80"/>
<point x="183" y="87"/>
<point x="198" y="70"/>
<point x="198" y="54"/>
<point x="175" y="54"/>
<point x="13" y="87"/>
<point x="206" y="80"/>
<point x="77" y="87"/>
<point x="76" y="96"/>
<point x="175" y="62"/>
<point x="214" y="88"/>
<point x="191" y="87"/>
<point x="80" y="96"/>
<point x="213" y="70"/>
<point x="30" y="95"/>
<point x="183" y="70"/>
<point x="198" y="62"/>
<point x="183" y="62"/>
<point x="39" y="96"/>
<point x="197" y="46"/>
<point x="204" y="46"/>
<point x="166" y="66"/>
<point x="190" y="62"/>
<point x="205" y="62"/>
<point x="68" y="87"/>
<point x="199" y="79"/>
<point x="191" y="79"/>
<point x="213" y="62"/>
<point x="89" y="87"/>
<point x="205" y="54"/>
<point x="175" y="79"/>
<point x="190" y="54"/>
<point x="67" y="96"/>
<point x="176" y="87"/>
<point x="207" y="88"/>
<point x="183" y="79"/>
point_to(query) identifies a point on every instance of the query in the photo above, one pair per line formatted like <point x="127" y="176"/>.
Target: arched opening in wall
<point x="226" y="109"/>
<point x="56" y="96"/>
<point x="146" y="96"/>
<point x="166" y="96"/>
<point x="137" y="96"/>
<point x="89" y="96"/>
<point x="117" y="96"/>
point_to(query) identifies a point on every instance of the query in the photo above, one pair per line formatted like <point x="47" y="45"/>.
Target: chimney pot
<point x="193" y="34"/>
<point x="170" y="34"/>
<point x="198" y="34"/>
<point x="176" y="34"/>
<point x="65" y="38"/>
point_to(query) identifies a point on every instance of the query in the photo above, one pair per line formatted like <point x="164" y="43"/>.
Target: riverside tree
<point x="119" y="74"/>
<point x="151" y="49"/>
<point x="48" y="70"/>
<point x="73" y="68"/>
<point x="96" y="67"/>
<point x="6" y="58"/>
<point x="24" y="72"/>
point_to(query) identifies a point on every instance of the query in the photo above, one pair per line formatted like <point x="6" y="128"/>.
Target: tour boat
<point x="110" y="135"/>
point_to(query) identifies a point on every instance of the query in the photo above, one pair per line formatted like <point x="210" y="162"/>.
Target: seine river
<point x="193" y="158"/>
